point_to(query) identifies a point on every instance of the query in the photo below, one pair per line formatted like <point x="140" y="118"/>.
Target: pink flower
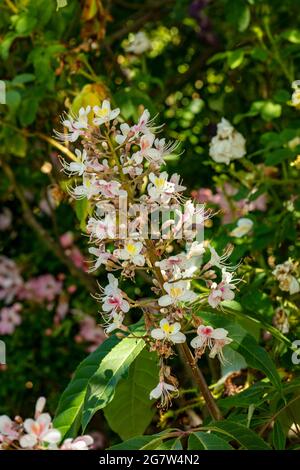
<point x="67" y="239"/>
<point x="80" y="443"/>
<point x="8" y="429"/>
<point x="213" y="338"/>
<point x="41" y="288"/>
<point x="221" y="291"/>
<point x="10" y="279"/>
<point x="10" y="318"/>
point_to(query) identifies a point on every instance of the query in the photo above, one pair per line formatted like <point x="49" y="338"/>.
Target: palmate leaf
<point x="246" y="345"/>
<point x="247" y="438"/>
<point x="131" y="410"/>
<point x="207" y="441"/>
<point x="102" y="384"/>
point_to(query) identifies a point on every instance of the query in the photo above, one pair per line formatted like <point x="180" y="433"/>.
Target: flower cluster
<point x="37" y="433"/>
<point x="140" y="221"/>
<point x="228" y="144"/>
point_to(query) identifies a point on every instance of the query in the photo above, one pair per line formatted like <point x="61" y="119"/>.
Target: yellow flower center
<point x="168" y="329"/>
<point x="103" y="112"/>
<point x="175" y="292"/>
<point x="131" y="249"/>
<point x="159" y="182"/>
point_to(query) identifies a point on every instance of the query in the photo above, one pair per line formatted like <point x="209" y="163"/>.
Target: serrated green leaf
<point x="102" y="384"/>
<point x="207" y="441"/>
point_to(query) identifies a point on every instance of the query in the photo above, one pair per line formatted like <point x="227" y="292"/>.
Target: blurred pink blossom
<point x="41" y="288"/>
<point x="10" y="279"/>
<point x="5" y="219"/>
<point x="10" y="318"/>
<point x="230" y="208"/>
<point x="90" y="332"/>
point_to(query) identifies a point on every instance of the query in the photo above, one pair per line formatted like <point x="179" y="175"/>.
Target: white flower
<point x="221" y="291"/>
<point x="144" y="124"/>
<point x="80" y="443"/>
<point x="244" y="226"/>
<point x="131" y="252"/>
<point x="113" y="297"/>
<point x="195" y="249"/>
<point x="102" y="228"/>
<point x="287" y="282"/>
<point x="105" y="113"/>
<point x="214" y="339"/>
<point x="101" y="257"/>
<point x="169" y="264"/>
<point x="176" y="292"/>
<point x="296" y="93"/>
<point x="140" y="44"/>
<point x="160" y="189"/>
<point x="125" y="130"/>
<point x="109" y="189"/>
<point x="161" y="150"/>
<point x="8" y="428"/>
<point x="220" y="260"/>
<point x="89" y="188"/>
<point x="163" y="391"/>
<point x="39" y="431"/>
<point x="75" y="125"/>
<point x="228" y="144"/>
<point x="115" y="323"/>
<point x="75" y="168"/>
<point x="170" y="332"/>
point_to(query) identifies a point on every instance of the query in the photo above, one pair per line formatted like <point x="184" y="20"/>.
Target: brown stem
<point x="88" y="281"/>
<point x="201" y="382"/>
<point x="189" y="358"/>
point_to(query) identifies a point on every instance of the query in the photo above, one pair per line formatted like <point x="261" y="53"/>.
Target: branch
<point x="201" y="382"/>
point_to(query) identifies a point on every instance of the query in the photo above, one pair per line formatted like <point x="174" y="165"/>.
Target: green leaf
<point x="244" y="19"/>
<point x="131" y="411"/>
<point x="257" y="301"/>
<point x="278" y="436"/>
<point x="25" y="24"/>
<point x="135" y="443"/>
<point x="247" y="438"/>
<point x="82" y="207"/>
<point x="235" y="58"/>
<point x="278" y="156"/>
<point x="68" y="414"/>
<point x="207" y="441"/>
<point x="17" y="146"/>
<point x="61" y="4"/>
<point x="292" y="35"/>
<point x="13" y="99"/>
<point x="28" y="110"/>
<point x="103" y="382"/>
<point x="252" y="395"/>
<point x="23" y="78"/>
<point x="171" y="444"/>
